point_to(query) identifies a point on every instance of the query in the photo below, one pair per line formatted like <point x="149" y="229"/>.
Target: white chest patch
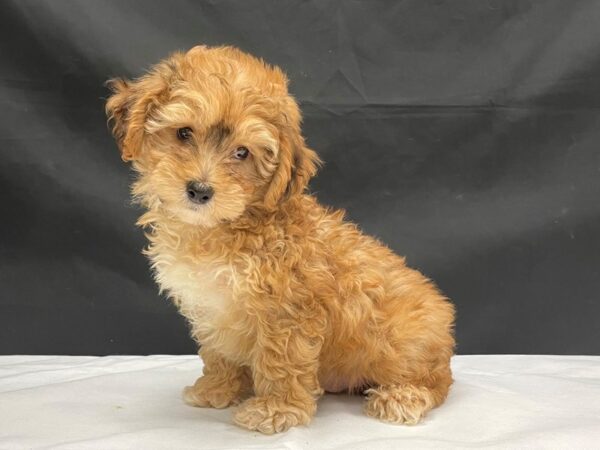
<point x="203" y="293"/>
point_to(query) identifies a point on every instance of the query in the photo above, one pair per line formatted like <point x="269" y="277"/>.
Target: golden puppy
<point x="286" y="299"/>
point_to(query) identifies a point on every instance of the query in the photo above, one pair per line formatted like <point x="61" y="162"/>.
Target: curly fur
<point x="285" y="297"/>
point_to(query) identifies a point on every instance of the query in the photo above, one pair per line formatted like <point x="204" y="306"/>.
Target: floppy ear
<point x="117" y="107"/>
<point x="297" y="163"/>
<point x="127" y="109"/>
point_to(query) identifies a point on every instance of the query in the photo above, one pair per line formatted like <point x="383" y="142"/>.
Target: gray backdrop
<point x="464" y="134"/>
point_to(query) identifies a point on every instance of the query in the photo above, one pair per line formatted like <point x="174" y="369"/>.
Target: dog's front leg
<point x="223" y="383"/>
<point x="284" y="371"/>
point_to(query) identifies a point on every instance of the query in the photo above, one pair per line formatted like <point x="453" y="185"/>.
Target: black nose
<point x="199" y="193"/>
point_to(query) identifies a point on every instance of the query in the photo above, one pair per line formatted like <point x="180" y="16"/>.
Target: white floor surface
<point x="134" y="402"/>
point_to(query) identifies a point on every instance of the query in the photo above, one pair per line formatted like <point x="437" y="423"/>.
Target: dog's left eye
<point x="241" y="153"/>
<point x="183" y="134"/>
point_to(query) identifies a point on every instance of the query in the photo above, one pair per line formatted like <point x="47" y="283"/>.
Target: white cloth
<point x="134" y="402"/>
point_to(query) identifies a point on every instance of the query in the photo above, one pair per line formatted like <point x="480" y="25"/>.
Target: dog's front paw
<point x="211" y="392"/>
<point x="271" y="415"/>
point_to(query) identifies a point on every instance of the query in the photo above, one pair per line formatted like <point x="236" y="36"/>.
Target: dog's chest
<point x="197" y="289"/>
<point x="203" y="292"/>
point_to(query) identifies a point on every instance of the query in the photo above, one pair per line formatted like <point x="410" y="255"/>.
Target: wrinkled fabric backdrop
<point x="463" y="134"/>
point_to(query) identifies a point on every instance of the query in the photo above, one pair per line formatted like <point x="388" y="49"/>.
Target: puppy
<point x="286" y="299"/>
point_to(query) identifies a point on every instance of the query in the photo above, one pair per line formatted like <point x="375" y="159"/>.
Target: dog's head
<point x="212" y="133"/>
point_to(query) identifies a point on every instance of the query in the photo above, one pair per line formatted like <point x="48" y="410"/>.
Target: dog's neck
<point x="254" y="218"/>
<point x="162" y="226"/>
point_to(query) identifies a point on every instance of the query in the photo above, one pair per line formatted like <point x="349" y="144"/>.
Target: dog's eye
<point x="183" y="134"/>
<point x="241" y="153"/>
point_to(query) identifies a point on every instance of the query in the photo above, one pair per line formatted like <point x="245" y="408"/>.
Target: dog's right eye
<point x="183" y="134"/>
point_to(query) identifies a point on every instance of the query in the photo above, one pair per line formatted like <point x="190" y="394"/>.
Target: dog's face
<point x="212" y="133"/>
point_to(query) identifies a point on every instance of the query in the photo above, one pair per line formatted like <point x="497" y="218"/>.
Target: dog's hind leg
<point x="408" y="402"/>
<point x="411" y="374"/>
<point x="404" y="403"/>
